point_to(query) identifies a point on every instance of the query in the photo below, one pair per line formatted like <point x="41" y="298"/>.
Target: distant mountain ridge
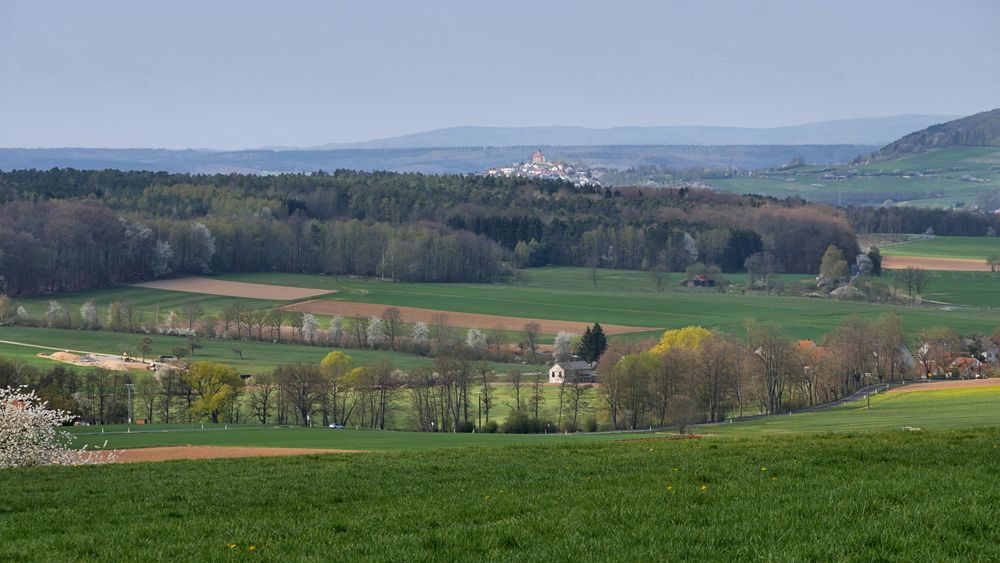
<point x="978" y="130"/>
<point x="456" y="160"/>
<point x="860" y="131"/>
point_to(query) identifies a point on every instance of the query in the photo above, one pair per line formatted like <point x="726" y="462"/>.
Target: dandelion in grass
<point x="252" y="548"/>
<point x="670" y="489"/>
<point x="704" y="488"/>
<point x="232" y="546"/>
<point x="762" y="468"/>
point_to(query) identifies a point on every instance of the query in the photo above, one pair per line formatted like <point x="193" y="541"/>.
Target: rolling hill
<point x="945" y="165"/>
<point x="941" y="178"/>
<point x="453" y="160"/>
<point x="979" y="130"/>
<point x="861" y="131"/>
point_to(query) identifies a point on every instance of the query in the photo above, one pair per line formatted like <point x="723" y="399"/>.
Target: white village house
<point x="561" y="372"/>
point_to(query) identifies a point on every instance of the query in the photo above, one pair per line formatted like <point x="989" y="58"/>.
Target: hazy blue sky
<point x="244" y="74"/>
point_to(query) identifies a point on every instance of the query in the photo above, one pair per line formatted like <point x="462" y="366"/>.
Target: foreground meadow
<point x="965" y="406"/>
<point x="885" y="496"/>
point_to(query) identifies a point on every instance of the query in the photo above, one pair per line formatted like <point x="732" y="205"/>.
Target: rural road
<point x="26" y="345"/>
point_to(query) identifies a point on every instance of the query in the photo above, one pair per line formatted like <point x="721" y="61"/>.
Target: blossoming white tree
<point x="475" y="340"/>
<point x="88" y="315"/>
<point x="54" y="314"/>
<point x="376" y="331"/>
<point x="310" y="328"/>
<point x="336" y="330"/>
<point x="563" y="346"/>
<point x="421" y="334"/>
<point x="29" y="433"/>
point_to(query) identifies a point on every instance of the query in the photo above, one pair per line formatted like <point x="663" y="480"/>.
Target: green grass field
<point x="945" y="409"/>
<point x="401" y="412"/>
<point x="628" y="298"/>
<point x="979" y="290"/>
<point x="257" y="356"/>
<point x="906" y="185"/>
<point x="145" y="300"/>
<point x="560" y="293"/>
<point x="318" y="438"/>
<point x="877" y="496"/>
<point x="841" y="484"/>
<point x="928" y="410"/>
<point x="975" y="248"/>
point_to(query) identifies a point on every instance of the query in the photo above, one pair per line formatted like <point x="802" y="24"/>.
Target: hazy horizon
<point x="228" y="76"/>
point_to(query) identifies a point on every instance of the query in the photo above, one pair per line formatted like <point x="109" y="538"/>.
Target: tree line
<point x="75" y="245"/>
<point x="694" y="375"/>
<point x="68" y="229"/>
<point x="917" y="220"/>
<point x="689" y="375"/>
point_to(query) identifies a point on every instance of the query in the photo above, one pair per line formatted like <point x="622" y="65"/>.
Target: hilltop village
<point x="541" y="167"/>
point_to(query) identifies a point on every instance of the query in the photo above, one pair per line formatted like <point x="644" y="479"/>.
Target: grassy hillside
<point x="629" y="298"/>
<point x="883" y="496"/>
<point x="257" y="356"/>
<point x="944" y="409"/>
<point x="978" y="130"/>
<point x="977" y="248"/>
<point x="560" y="293"/>
<point x="928" y="410"/>
<point x="318" y="438"/>
<point x="940" y="178"/>
<point x="146" y="301"/>
<point x="980" y="290"/>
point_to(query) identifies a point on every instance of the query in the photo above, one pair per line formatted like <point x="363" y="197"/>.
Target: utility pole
<point x="128" y="389"/>
<point x="868" y="394"/>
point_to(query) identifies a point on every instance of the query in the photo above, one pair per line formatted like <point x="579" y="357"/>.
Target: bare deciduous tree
<point x="530" y="334"/>
<point x="392" y="326"/>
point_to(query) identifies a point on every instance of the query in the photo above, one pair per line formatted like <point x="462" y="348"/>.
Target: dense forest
<point x="916" y="220"/>
<point x="67" y="229"/>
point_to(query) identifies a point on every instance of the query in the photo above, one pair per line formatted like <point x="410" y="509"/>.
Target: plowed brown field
<point x="467" y="320"/>
<point x="953" y="384"/>
<point x="927" y="263"/>
<point x="235" y="289"/>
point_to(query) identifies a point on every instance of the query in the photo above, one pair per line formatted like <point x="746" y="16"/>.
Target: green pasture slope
<point x="974" y="248"/>
<point x="257" y="356"/>
<point x="144" y="300"/>
<point x="876" y="496"/>
<point x="978" y="290"/>
<point x="400" y="417"/>
<point x="621" y="297"/>
<point x="628" y="298"/>
<point x="784" y="488"/>
<point x="945" y="409"/>
<point x="935" y="189"/>
<point x="316" y="438"/>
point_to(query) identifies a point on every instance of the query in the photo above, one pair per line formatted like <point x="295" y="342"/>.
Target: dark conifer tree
<point x="593" y="343"/>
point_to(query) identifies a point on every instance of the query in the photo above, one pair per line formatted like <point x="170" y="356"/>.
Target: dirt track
<point x="466" y="320"/>
<point x="235" y="289"/>
<point x="103" y="361"/>
<point x="951" y="384"/>
<point x="168" y="453"/>
<point x="927" y="263"/>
